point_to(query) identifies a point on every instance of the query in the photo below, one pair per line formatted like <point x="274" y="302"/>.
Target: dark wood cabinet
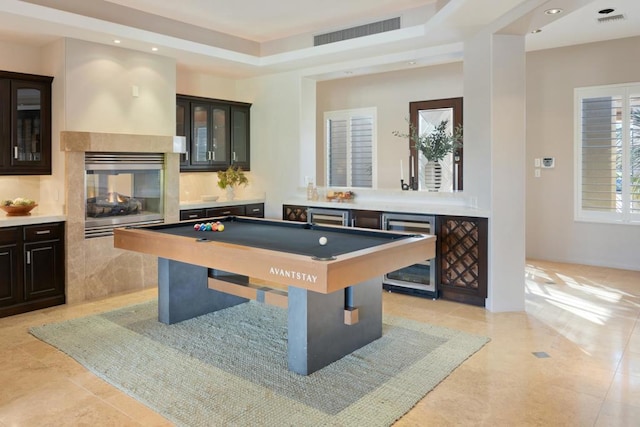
<point x="32" y="267"/>
<point x="10" y="277"/>
<point x="462" y="243"/>
<point x="25" y="124"/>
<point x="240" y="137"/>
<point x="225" y="211"/>
<point x="216" y="132"/>
<point x="44" y="261"/>
<point x="253" y="209"/>
<point x="187" y="214"/>
<point x="183" y="128"/>
<point x="294" y="213"/>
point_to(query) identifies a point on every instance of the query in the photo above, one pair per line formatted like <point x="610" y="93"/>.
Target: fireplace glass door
<point x="122" y="190"/>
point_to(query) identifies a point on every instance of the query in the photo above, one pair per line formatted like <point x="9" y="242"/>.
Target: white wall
<point x="391" y="93"/>
<point x="196" y="83"/>
<point x="280" y="102"/>
<point x="52" y="190"/>
<point x="20" y="58"/>
<point x="551" y="231"/>
<point x="99" y="97"/>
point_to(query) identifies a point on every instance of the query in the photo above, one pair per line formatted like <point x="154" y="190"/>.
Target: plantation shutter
<point x="337" y="153"/>
<point x="601" y="153"/>
<point x="634" y="146"/>
<point x="361" y="151"/>
<point x="608" y="129"/>
<point x="350" y="148"/>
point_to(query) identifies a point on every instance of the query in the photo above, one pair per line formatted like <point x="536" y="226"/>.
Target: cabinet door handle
<point x="256" y="210"/>
<point x="186" y="156"/>
<point x="226" y="213"/>
<point x="43" y="232"/>
<point x="28" y="257"/>
<point x="15" y="152"/>
<point x="234" y="156"/>
<point x="193" y="216"/>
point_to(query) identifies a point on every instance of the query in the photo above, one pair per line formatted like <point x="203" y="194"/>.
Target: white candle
<point x="401" y="171"/>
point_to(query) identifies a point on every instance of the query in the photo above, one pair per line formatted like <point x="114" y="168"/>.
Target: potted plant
<point x="230" y="178"/>
<point x="434" y="147"/>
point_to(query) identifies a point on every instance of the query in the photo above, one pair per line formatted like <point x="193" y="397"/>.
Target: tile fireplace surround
<point x="94" y="267"/>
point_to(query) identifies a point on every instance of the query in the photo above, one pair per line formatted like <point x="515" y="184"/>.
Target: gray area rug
<point x="230" y="367"/>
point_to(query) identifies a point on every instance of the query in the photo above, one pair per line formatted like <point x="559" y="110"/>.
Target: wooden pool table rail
<point x="280" y="267"/>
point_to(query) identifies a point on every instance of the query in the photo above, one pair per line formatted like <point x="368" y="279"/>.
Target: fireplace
<point x="94" y="267"/>
<point x="122" y="189"/>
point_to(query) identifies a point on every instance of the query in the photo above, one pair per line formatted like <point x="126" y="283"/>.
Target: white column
<point x="307" y="161"/>
<point x="494" y="156"/>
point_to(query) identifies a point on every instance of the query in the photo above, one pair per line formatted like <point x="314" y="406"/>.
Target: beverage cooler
<point x="328" y="216"/>
<point x="418" y="279"/>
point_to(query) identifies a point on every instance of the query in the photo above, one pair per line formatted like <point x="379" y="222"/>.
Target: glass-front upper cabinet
<point x="240" y="137"/>
<point x="209" y="135"/>
<point x="221" y="135"/>
<point x="183" y="128"/>
<point x="216" y="131"/>
<point x="26" y="117"/>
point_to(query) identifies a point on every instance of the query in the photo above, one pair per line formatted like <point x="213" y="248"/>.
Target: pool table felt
<point x="301" y="239"/>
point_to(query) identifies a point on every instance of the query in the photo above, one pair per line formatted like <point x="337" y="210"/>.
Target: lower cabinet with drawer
<point x="225" y="211"/>
<point x="32" y="267"/>
<point x="253" y="209"/>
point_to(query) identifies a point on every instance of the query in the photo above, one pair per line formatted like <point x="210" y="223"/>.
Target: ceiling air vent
<point x="359" y="31"/>
<point x="611" y="18"/>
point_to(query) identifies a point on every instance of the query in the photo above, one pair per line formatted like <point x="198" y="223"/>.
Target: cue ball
<point x="322" y="241"/>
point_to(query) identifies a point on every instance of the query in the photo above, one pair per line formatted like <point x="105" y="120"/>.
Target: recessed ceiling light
<point x="606" y="11"/>
<point x="553" y="11"/>
<point x="155" y="49"/>
<point x="536" y="31"/>
<point x="348" y="72"/>
<point x="412" y="62"/>
<point x="116" y="41"/>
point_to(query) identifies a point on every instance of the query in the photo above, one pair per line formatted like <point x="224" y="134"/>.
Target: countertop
<point x="33" y="218"/>
<point x="411" y="203"/>
<point x="199" y="204"/>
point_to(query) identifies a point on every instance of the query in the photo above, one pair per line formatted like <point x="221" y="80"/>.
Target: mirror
<point x="425" y="116"/>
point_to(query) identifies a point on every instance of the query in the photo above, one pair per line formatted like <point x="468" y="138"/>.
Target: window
<point x="608" y="153"/>
<point x="350" y="142"/>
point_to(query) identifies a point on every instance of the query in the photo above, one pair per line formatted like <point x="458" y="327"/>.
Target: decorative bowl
<point x="18" y="210"/>
<point x="209" y="198"/>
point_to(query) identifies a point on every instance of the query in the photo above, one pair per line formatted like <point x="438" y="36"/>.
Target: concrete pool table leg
<point x="183" y="292"/>
<point x="317" y="334"/>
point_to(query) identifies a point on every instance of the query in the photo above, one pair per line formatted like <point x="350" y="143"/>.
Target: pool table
<point x="333" y="292"/>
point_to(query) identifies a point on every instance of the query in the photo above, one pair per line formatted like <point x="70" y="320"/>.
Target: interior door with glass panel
<point x="426" y="116"/>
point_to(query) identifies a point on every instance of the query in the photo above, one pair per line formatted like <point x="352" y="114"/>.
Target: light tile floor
<point x="586" y="319"/>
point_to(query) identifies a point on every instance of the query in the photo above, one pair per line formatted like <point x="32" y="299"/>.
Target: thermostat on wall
<point x="548" y="162"/>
